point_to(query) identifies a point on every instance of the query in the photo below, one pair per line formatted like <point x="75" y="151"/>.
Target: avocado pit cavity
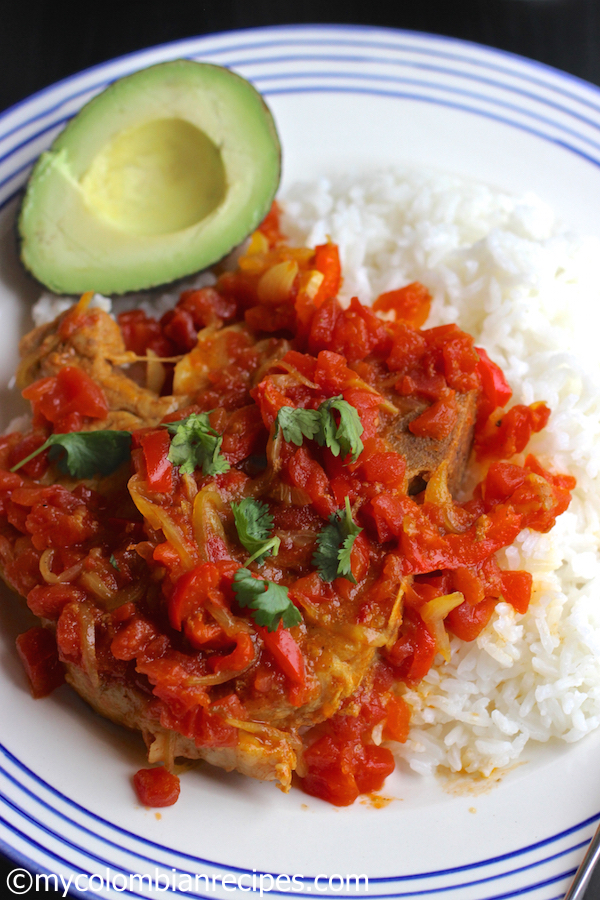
<point x="157" y="178"/>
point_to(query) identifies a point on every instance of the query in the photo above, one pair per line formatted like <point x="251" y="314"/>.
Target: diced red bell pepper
<point x="286" y="652"/>
<point x="411" y="303"/>
<point x="239" y="658"/>
<point x="190" y="591"/>
<point x="496" y="390"/>
<point x="327" y="261"/>
<point x="156" y="445"/>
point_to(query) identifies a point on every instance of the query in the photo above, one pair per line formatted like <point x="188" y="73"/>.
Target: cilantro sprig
<point x="84" y="454"/>
<point x="321" y="425"/>
<point x="254" y="524"/>
<point x="335" y="542"/>
<point x="196" y="445"/>
<point x="269" y="602"/>
<point x="297" y="424"/>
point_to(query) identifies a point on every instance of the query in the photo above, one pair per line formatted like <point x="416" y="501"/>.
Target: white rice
<point x="503" y="269"/>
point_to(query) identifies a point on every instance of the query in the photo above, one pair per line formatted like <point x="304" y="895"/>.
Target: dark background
<point x="42" y="41"/>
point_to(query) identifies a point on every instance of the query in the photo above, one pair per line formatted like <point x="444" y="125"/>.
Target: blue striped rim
<point x="416" y="49"/>
<point x="271" y="36"/>
<point x="295" y="57"/>
<point x="117" y="870"/>
<point x="546" y="842"/>
<point x="400" y="95"/>
<point x="381" y="78"/>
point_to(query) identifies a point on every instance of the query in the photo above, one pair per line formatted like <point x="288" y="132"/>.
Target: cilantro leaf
<point x="348" y="433"/>
<point x="269" y="602"/>
<point x="196" y="445"/>
<point x="84" y="454"/>
<point x="321" y="426"/>
<point x="114" y="562"/>
<point x="297" y="424"/>
<point x="254" y="524"/>
<point x="335" y="542"/>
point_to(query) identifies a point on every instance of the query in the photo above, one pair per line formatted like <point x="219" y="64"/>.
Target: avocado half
<point x="159" y="176"/>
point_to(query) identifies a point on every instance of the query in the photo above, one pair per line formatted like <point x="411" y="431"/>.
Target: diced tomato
<point x="36" y="467"/>
<point x="178" y="327"/>
<point x="306" y="473"/>
<point x="142" y="333"/>
<point x="467" y="621"/>
<point x="408" y="348"/>
<point x="384" y="468"/>
<point x="460" y="362"/>
<point x="414" y="652"/>
<point x="65" y="399"/>
<point x="438" y="420"/>
<point x="131" y="640"/>
<point x="397" y="720"/>
<point x="516" y="589"/>
<point x="47" y="600"/>
<point x="374" y="768"/>
<point x="211" y="730"/>
<point x="156" y="787"/>
<point x="156" y="446"/>
<point x="38" y="653"/>
<point x="270" y="226"/>
<point x="467" y="581"/>
<point x="333" y="786"/>
<point x="511" y="434"/>
<point x="323" y="324"/>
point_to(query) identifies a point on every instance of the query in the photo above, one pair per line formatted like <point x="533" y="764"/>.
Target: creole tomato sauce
<point x="133" y="574"/>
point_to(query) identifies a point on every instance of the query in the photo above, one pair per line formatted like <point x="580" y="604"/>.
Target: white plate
<point x="342" y="97"/>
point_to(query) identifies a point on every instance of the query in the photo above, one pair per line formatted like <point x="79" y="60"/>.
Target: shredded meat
<point x="98" y="349"/>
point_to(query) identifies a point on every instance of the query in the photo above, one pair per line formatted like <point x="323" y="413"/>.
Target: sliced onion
<point x="289" y="495"/>
<point x="310" y="282"/>
<point x="275" y="285"/>
<point x="217" y="678"/>
<point x="433" y="614"/>
<point x="46" y="560"/>
<point x="298" y="377"/>
<point x="88" y="644"/>
<point x="161" y="748"/>
<point x="94" y="584"/>
<point x="262" y="347"/>
<point x="160" y="520"/>
<point x="386" y="404"/>
<point x="438" y="494"/>
<point x="155" y="373"/>
<point x="206" y="521"/>
<point x="230" y="624"/>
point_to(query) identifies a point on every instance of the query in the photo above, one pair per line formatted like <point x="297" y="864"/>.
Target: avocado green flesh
<point x="159" y="176"/>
